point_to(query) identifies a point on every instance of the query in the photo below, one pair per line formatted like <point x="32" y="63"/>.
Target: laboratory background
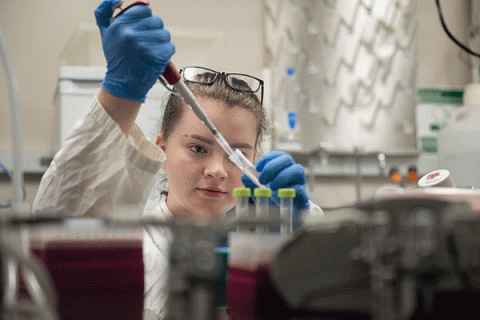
<point x="368" y="95"/>
<point x="262" y="39"/>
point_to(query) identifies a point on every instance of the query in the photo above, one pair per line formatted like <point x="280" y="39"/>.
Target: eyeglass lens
<point x="237" y="81"/>
<point x="243" y="82"/>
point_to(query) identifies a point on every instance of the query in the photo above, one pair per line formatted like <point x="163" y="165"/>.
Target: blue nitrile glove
<point x="137" y="49"/>
<point x="278" y="170"/>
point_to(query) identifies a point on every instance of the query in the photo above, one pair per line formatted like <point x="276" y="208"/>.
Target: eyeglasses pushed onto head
<point x="237" y="81"/>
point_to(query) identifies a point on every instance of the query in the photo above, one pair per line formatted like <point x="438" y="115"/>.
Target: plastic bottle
<point x="262" y="206"/>
<point x="291" y="103"/>
<point x="242" y="208"/>
<point x="458" y="141"/>
<point x="286" y="209"/>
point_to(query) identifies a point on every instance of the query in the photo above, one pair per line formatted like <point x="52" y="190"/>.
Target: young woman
<point x="107" y="161"/>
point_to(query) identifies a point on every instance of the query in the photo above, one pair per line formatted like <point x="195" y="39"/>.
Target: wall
<point x="46" y="26"/>
<point x="37" y="31"/>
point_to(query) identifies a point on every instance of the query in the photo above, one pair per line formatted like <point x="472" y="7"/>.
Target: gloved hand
<point x="137" y="49"/>
<point x="278" y="170"/>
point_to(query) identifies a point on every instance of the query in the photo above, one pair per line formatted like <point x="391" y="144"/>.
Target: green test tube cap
<point x="262" y="192"/>
<point x="242" y="192"/>
<point x="286" y="193"/>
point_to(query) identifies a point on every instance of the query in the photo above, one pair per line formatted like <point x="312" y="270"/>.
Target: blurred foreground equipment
<point x="405" y="256"/>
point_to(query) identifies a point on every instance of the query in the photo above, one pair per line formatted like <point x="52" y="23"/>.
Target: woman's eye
<point x="197" y="149"/>
<point x="247" y="154"/>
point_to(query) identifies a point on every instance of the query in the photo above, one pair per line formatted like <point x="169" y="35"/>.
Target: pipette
<point x="173" y="77"/>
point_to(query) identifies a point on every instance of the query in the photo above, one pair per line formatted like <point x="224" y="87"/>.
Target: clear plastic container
<point x="243" y="203"/>
<point x="459" y="147"/>
<point x="286" y="209"/>
<point x="262" y="206"/>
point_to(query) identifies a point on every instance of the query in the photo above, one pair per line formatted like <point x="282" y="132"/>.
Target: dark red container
<point x="95" y="279"/>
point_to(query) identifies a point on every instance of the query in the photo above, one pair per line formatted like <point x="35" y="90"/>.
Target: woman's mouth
<point x="212" y="192"/>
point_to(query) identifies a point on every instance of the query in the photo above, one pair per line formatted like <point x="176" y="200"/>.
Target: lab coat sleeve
<point x="99" y="168"/>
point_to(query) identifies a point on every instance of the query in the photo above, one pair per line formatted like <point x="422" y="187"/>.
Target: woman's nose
<point x="216" y="168"/>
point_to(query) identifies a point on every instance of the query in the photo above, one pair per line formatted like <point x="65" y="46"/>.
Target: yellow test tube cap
<point x="262" y="192"/>
<point x="242" y="192"/>
<point x="286" y="193"/>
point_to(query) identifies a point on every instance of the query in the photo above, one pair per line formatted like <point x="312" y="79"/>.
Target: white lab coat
<point x="99" y="168"/>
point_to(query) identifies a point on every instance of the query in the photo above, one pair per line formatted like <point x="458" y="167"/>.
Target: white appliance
<point x="77" y="86"/>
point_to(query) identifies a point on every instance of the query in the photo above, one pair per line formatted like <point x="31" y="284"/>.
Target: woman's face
<point x="200" y="176"/>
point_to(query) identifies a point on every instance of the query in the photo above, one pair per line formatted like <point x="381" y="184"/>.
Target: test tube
<point x="286" y="197"/>
<point x="262" y="205"/>
<point x="242" y="208"/>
